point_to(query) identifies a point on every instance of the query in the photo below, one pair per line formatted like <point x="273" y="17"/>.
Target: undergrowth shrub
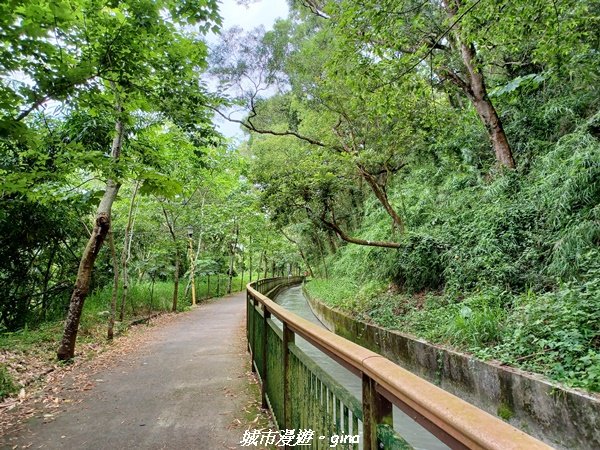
<point x="556" y="333"/>
<point x="418" y="264"/>
<point x="479" y="321"/>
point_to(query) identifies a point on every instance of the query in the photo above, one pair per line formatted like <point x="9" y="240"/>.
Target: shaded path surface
<point x="183" y="390"/>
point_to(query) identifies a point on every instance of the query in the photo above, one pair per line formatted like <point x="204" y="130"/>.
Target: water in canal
<point x="294" y="301"/>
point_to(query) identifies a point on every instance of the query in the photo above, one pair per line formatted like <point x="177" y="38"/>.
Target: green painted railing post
<point x="248" y="320"/>
<point x="377" y="410"/>
<point x="263" y="372"/>
<point x="288" y="339"/>
<point x="251" y="328"/>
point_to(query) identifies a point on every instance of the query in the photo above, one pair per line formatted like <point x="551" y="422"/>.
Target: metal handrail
<point x="454" y="421"/>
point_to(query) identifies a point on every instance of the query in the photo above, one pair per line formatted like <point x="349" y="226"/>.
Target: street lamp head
<point x="190" y="231"/>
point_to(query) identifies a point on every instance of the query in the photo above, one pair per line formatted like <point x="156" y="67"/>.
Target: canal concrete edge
<point x="562" y="417"/>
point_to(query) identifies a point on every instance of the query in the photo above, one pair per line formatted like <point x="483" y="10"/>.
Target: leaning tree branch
<point x="344" y="237"/>
<point x="333" y="226"/>
<point x="252" y="127"/>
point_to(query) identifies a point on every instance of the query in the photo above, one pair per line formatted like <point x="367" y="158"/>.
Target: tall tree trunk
<point x="310" y="271"/>
<point x="485" y="109"/>
<point x="475" y="88"/>
<point x="250" y="258"/>
<point x="66" y="350"/>
<point x="113" y="299"/>
<point x="321" y="253"/>
<point x="125" y="254"/>
<point x="331" y="241"/>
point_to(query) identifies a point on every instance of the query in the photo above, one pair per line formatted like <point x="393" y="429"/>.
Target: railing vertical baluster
<point x="266" y="316"/>
<point x="288" y="338"/>
<point x="306" y="398"/>
<point x="315" y="404"/>
<point x="330" y="413"/>
<point x="338" y="416"/>
<point x="320" y="414"/>
<point x="376" y="410"/>
<point x="355" y="431"/>
<point x="346" y="424"/>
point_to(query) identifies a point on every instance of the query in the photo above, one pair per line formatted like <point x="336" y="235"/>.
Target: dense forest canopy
<point x="435" y="165"/>
<point x="107" y="139"/>
<point x="439" y="162"/>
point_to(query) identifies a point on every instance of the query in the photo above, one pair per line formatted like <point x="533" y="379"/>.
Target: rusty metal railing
<point x="303" y="396"/>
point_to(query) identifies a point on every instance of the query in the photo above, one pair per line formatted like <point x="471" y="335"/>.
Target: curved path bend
<point x="187" y="388"/>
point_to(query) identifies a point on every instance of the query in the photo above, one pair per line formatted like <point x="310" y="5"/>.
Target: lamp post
<point x="190" y="233"/>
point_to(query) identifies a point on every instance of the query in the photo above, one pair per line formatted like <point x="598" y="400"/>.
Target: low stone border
<point x="564" y="418"/>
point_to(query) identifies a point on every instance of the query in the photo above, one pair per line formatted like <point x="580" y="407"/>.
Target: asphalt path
<point x="185" y="388"/>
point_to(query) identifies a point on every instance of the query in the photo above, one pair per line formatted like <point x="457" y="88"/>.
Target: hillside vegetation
<point x="438" y="165"/>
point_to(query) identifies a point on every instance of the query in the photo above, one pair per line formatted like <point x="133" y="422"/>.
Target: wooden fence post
<point x="377" y="410"/>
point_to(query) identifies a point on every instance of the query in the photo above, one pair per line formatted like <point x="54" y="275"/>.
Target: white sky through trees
<point x="255" y="14"/>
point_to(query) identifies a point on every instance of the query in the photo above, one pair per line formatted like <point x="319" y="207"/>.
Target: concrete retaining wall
<point x="564" y="418"/>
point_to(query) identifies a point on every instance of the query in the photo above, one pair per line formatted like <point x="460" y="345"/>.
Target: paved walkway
<point x="183" y="390"/>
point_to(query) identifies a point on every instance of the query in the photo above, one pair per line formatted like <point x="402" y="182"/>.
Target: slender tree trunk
<point x="382" y="196"/>
<point x="125" y="254"/>
<point x="176" y="279"/>
<point x="266" y="265"/>
<point x="192" y="280"/>
<point x="171" y="227"/>
<point x="242" y="280"/>
<point x="199" y="247"/>
<point x="66" y="349"/>
<point x="47" y="274"/>
<point x="113" y="299"/>
<point x="152" y="293"/>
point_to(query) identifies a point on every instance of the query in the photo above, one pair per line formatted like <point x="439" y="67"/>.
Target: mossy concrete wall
<point x="563" y="418"/>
